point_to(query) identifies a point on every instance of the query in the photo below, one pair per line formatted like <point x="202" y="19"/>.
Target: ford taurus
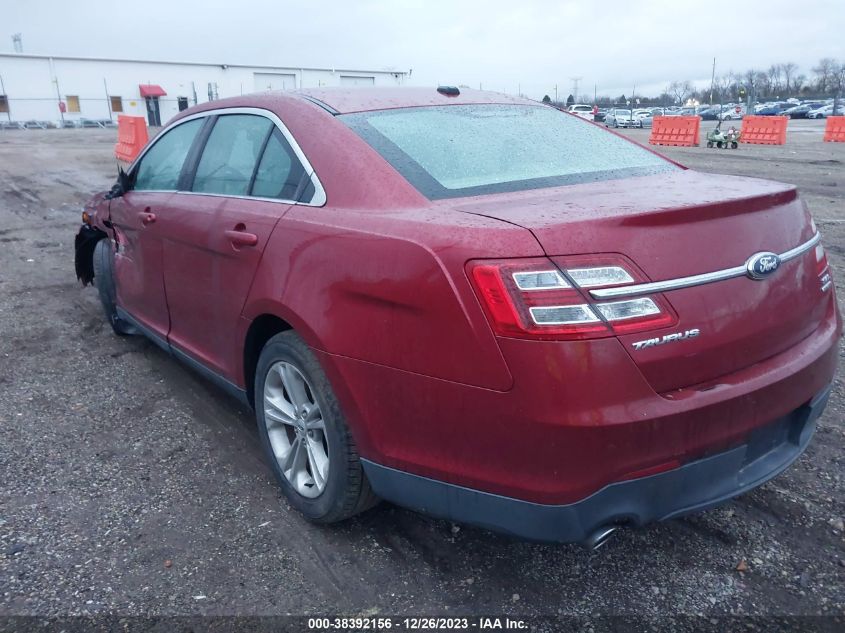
<point x="473" y="305"/>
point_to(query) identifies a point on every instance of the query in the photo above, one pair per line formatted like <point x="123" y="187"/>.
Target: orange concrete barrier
<point x="834" y="130"/>
<point x="682" y="131"/>
<point x="131" y="137"/>
<point x="763" y="130"/>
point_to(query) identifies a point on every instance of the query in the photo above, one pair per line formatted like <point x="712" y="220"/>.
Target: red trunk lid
<point x="682" y="224"/>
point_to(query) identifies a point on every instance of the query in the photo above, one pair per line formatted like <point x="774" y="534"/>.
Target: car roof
<point x="362" y="99"/>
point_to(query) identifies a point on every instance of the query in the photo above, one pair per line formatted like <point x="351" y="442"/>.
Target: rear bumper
<point x="692" y="487"/>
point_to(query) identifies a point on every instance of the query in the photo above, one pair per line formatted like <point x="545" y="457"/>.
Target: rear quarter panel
<point x="388" y="288"/>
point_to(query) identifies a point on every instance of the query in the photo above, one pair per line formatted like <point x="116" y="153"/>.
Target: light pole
<point x="712" y="81"/>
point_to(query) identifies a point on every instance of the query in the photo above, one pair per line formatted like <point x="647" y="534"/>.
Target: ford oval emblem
<point x="761" y="265"/>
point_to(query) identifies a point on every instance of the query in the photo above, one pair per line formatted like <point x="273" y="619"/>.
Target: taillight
<point x="821" y="259"/>
<point x="535" y="298"/>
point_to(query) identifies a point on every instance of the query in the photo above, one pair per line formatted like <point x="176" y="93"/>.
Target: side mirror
<point x="123" y="184"/>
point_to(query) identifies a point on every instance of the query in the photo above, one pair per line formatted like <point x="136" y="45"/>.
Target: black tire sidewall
<point x="329" y="504"/>
<point x="103" y="279"/>
<point x="103" y="264"/>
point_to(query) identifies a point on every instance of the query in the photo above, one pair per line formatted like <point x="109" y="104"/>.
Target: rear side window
<point x="279" y="172"/>
<point x="231" y="153"/>
<point x="466" y="150"/>
<point x="161" y="165"/>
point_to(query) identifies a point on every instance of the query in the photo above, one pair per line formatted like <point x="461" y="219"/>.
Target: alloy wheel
<point x="296" y="429"/>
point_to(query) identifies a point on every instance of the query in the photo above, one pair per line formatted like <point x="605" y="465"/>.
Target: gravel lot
<point x="146" y="494"/>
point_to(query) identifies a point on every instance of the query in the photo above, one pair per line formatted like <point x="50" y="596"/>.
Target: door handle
<point x="147" y="217"/>
<point x="241" y="238"/>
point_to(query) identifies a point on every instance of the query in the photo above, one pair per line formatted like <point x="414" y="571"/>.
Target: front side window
<point x="161" y="166"/>
<point x="231" y="153"/>
<point x="464" y="150"/>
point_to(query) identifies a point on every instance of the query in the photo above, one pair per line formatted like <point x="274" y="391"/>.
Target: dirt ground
<point x="145" y="492"/>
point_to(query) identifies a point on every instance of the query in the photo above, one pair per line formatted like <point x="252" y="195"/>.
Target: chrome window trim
<point x="319" y="198"/>
<point x="696" y="280"/>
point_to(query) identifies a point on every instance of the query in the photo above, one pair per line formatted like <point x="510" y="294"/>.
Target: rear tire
<point x="305" y="437"/>
<point x="104" y="280"/>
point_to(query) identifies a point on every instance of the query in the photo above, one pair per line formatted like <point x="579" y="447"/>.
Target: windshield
<point x="452" y="151"/>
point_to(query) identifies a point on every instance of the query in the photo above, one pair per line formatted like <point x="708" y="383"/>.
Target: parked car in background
<point x="620" y="117"/>
<point x="38" y="125"/>
<point x="599" y="115"/>
<point x="826" y="111"/>
<point x="732" y="114"/>
<point x="469" y="304"/>
<point x="775" y="109"/>
<point x="710" y="113"/>
<point x="646" y="119"/>
<point x="801" y="111"/>
<point x="581" y="110"/>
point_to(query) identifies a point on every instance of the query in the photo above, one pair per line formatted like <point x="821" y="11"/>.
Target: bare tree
<point x="838" y="78"/>
<point x="838" y="83"/>
<point x="755" y="81"/>
<point x="789" y="69"/>
<point x="773" y="77"/>
<point x="799" y="82"/>
<point x="725" y="86"/>
<point x="825" y="71"/>
<point x="680" y="90"/>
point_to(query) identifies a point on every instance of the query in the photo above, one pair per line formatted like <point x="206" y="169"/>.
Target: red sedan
<point x="474" y="305"/>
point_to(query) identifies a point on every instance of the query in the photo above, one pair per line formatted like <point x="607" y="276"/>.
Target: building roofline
<point x="190" y="63"/>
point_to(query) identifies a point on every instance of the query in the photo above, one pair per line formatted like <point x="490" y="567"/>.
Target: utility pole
<point x="751" y="89"/>
<point x="631" y="111"/>
<point x="712" y="81"/>
<point x="555" y="93"/>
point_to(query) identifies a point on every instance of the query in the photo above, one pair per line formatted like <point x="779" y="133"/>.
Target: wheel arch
<point x="260" y="321"/>
<point x="262" y="328"/>
<point x="273" y="320"/>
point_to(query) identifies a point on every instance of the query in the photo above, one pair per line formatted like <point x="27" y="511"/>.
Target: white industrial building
<point x="57" y="89"/>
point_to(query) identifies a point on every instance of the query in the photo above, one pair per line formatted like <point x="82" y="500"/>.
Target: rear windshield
<point x="467" y="150"/>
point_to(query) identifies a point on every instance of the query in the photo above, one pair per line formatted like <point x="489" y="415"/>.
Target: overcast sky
<point x="503" y="45"/>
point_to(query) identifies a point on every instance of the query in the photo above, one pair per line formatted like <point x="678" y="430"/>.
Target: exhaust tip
<point x="599" y="537"/>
